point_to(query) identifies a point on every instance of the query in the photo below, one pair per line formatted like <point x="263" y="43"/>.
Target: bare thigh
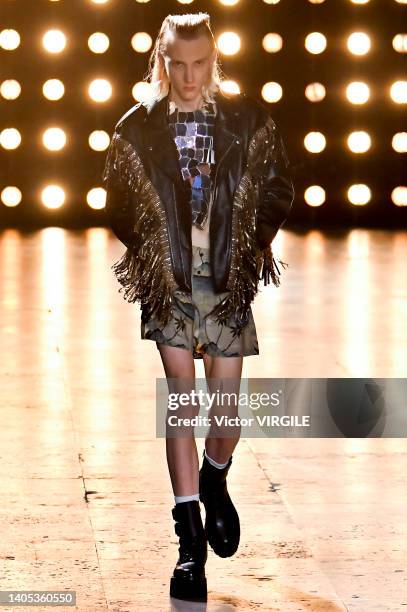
<point x="177" y="362"/>
<point x="223" y="374"/>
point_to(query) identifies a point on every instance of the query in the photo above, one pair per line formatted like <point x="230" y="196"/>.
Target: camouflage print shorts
<point x="192" y="326"/>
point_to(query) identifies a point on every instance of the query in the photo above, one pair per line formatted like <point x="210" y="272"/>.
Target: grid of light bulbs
<point x="236" y="2"/>
<point x="229" y="43"/>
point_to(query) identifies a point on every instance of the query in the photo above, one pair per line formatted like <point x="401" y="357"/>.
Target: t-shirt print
<point x="193" y="132"/>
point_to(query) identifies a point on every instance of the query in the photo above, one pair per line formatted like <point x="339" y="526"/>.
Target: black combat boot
<point x="222" y="525"/>
<point x="188" y="580"/>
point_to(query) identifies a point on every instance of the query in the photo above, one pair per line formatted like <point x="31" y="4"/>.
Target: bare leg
<point x="182" y="455"/>
<point x="221" y="369"/>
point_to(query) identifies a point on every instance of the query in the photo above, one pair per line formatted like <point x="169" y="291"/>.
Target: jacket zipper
<point x="176" y="219"/>
<point x="216" y="171"/>
<point x="215" y="187"/>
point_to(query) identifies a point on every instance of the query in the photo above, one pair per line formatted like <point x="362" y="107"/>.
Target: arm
<point x="117" y="210"/>
<point x="276" y="187"/>
<point x="118" y="202"/>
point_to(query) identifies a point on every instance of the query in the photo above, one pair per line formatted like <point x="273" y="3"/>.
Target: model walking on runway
<point x="198" y="186"/>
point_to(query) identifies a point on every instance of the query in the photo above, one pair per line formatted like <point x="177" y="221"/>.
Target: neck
<point x="189" y="105"/>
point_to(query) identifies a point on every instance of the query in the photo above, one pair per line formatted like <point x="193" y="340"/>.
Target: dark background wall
<point x="78" y="168"/>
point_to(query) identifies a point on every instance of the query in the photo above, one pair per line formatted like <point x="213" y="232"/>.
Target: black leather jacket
<point x="148" y="208"/>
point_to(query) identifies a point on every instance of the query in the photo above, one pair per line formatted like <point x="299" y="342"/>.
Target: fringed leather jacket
<point x="148" y="208"/>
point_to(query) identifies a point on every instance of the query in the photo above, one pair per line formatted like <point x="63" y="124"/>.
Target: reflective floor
<point x="86" y="495"/>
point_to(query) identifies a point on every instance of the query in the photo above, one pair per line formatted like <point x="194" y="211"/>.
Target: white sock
<point x="214" y="463"/>
<point x="184" y="498"/>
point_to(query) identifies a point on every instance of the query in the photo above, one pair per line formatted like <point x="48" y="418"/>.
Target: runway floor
<point x="86" y="495"/>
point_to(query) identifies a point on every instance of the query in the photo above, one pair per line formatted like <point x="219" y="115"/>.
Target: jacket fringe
<point x="142" y="280"/>
<point x="145" y="270"/>
<point x="270" y="269"/>
<point x="249" y="264"/>
<point x="239" y="302"/>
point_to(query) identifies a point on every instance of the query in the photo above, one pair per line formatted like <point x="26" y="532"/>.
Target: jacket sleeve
<point x="118" y="207"/>
<point x="276" y="186"/>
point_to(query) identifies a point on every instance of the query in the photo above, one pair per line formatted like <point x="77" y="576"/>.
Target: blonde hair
<point x="189" y="26"/>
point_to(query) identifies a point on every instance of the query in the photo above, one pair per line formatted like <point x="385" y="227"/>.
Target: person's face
<point x="189" y="65"/>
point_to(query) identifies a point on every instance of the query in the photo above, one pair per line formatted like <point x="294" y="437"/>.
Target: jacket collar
<point x="162" y="148"/>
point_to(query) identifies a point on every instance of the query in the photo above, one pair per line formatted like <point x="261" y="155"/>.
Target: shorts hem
<point x="200" y="355"/>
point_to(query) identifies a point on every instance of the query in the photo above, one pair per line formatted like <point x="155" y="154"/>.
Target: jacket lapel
<point x="159" y="143"/>
<point x="226" y="133"/>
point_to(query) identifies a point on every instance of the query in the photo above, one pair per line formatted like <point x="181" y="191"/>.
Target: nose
<point x="188" y="75"/>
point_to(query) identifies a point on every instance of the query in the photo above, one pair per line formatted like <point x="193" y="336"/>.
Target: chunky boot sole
<point x="218" y="549"/>
<point x="191" y="590"/>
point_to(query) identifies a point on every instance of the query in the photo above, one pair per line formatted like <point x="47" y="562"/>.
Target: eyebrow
<point x="201" y="59"/>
